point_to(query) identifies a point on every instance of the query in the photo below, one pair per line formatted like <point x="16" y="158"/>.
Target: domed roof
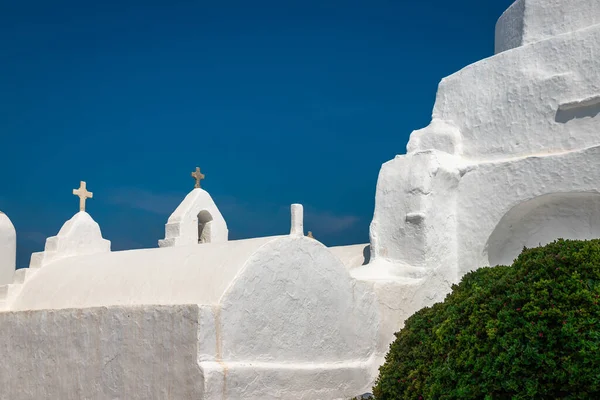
<point x="193" y="274"/>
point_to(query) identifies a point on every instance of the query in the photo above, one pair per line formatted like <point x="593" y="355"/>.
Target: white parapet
<point x="530" y="21"/>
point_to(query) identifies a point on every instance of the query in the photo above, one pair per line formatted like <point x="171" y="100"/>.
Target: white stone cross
<point x="198" y="176"/>
<point x="83" y="195"/>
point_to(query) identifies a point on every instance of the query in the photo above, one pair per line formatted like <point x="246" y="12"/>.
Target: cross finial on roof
<point x="83" y="195"/>
<point x="198" y="176"/>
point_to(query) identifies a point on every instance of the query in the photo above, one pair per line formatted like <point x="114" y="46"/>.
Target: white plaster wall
<point x="352" y="256"/>
<point x="101" y="353"/>
<point x="438" y="135"/>
<point x="489" y="191"/>
<point x="275" y="309"/>
<point x="80" y="235"/>
<point x="182" y="226"/>
<point x="509" y="154"/>
<point x="542" y="220"/>
<point x="537" y="99"/>
<point x="414" y="222"/>
<point x="8" y="249"/>
<point x="398" y="300"/>
<point x="511" y="158"/>
<point x="295" y="307"/>
<point x="275" y="381"/>
<point x="510" y="27"/>
<point x="529" y="21"/>
<point x="179" y="275"/>
<point x="532" y="102"/>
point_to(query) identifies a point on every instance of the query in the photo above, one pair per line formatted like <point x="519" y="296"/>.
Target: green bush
<point x="526" y="331"/>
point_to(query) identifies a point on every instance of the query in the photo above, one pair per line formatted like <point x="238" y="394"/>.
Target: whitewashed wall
<point x="8" y="249"/>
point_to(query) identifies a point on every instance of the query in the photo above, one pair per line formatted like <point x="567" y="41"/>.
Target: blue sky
<point x="277" y="101"/>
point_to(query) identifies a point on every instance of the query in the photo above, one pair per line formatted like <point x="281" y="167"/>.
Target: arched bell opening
<point x="204" y="226"/>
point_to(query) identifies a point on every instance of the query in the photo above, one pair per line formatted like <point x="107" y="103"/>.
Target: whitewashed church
<point x="511" y="159"/>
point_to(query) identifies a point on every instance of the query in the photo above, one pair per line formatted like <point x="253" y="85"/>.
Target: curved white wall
<point x="509" y="29"/>
<point x="505" y="130"/>
<point x="532" y="100"/>
<point x="294" y="300"/>
<point x="488" y="192"/>
<point x="8" y="249"/>
<point x="541" y="221"/>
<point x="294" y="319"/>
<point x="178" y="275"/>
<point x="529" y="21"/>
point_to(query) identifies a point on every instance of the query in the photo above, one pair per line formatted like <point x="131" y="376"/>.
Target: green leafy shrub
<point x="526" y="331"/>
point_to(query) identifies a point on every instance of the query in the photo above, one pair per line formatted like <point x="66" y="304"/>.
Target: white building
<point x="510" y="159"/>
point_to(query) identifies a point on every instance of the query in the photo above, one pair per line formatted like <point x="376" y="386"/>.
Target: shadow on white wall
<point x="542" y="220"/>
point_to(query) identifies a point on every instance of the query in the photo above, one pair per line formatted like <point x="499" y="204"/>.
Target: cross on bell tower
<point x="83" y="195"/>
<point x="198" y="176"/>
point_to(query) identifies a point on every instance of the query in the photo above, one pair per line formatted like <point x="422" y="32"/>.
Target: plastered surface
<point x="79" y="236"/>
<point x="510" y="159"/>
<point x="267" y="309"/>
<point x="8" y="249"/>
<point x="100" y="353"/>
<point x="506" y="130"/>
<point x="190" y="274"/>
<point x="530" y="21"/>
<point x="182" y="226"/>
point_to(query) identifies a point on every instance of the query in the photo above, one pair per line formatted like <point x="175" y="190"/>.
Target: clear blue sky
<point x="277" y="101"/>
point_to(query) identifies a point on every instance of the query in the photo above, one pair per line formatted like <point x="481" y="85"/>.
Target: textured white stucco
<point x="190" y="274"/>
<point x="414" y="222"/>
<point x="79" y="236"/>
<point x="147" y="352"/>
<point x="510" y="159"/>
<point x="269" y="309"/>
<point x="518" y="125"/>
<point x="529" y="21"/>
<point x="295" y="307"/>
<point x="501" y="190"/>
<point x="8" y="249"/>
<point x="182" y="226"/>
<point x="513" y="104"/>
<point x="541" y="220"/>
<point x="352" y="256"/>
